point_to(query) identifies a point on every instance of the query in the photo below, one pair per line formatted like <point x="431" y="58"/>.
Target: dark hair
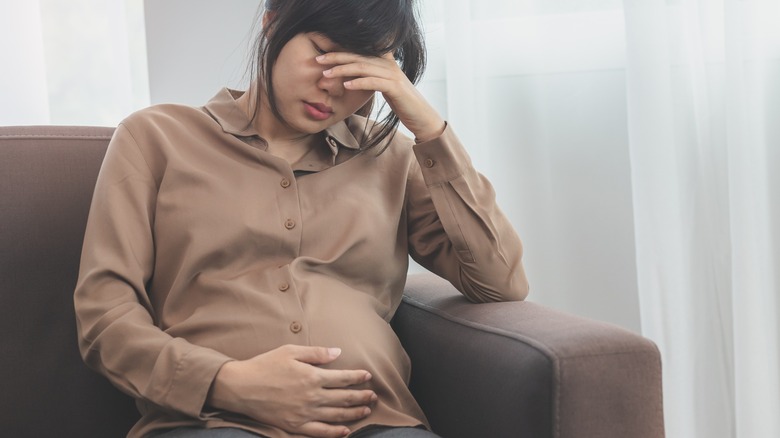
<point x="365" y="27"/>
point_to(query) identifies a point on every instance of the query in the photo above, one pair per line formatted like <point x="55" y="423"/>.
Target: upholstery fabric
<point x="504" y="370"/>
<point x="47" y="175"/>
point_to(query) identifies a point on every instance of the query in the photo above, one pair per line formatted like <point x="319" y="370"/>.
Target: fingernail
<point x="327" y="72"/>
<point x="374" y="397"/>
<point x="368" y="377"/>
<point x="366" y="411"/>
<point x="334" y="352"/>
<point x="348" y="84"/>
<point x="320" y="58"/>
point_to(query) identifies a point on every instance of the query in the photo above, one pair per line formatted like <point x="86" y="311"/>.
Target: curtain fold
<point x="753" y="89"/>
<point x="702" y="85"/>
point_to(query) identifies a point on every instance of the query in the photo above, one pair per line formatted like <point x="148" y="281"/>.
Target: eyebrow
<point x="325" y="41"/>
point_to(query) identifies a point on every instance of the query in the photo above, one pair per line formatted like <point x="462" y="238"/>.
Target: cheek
<point x="292" y="77"/>
<point x="357" y="99"/>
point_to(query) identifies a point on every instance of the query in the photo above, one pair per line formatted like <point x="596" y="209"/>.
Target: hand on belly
<point x="285" y="388"/>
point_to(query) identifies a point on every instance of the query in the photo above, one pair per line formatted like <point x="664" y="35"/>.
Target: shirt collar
<point x="233" y="120"/>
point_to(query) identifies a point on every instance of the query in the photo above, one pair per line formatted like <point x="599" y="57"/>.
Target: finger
<point x="341" y="415"/>
<point x="373" y="84"/>
<point x="343" y="378"/>
<point x="333" y="58"/>
<point x="345" y="398"/>
<point x="322" y="430"/>
<point x="363" y="69"/>
<point x="312" y="355"/>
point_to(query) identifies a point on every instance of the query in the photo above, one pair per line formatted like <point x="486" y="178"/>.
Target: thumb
<point x="315" y="355"/>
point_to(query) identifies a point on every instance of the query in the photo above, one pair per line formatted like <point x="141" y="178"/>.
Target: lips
<point x="321" y="107"/>
<point x="318" y="111"/>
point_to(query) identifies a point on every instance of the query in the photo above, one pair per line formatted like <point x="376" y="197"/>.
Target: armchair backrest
<point x="47" y="176"/>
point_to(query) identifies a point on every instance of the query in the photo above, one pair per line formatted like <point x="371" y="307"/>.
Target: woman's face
<point x="308" y="101"/>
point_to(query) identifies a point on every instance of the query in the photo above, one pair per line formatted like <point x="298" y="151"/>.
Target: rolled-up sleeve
<point x="117" y="332"/>
<point x="456" y="229"/>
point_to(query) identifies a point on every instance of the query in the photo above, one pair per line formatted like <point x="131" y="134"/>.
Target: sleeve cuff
<point x="192" y="380"/>
<point x="442" y="159"/>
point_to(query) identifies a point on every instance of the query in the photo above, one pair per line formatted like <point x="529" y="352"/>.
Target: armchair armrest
<point x="518" y="369"/>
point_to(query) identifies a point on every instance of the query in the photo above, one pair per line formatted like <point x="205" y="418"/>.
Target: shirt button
<point x="285" y="183"/>
<point x="429" y="163"/>
<point x="283" y="287"/>
<point x="290" y="224"/>
<point x="296" y="327"/>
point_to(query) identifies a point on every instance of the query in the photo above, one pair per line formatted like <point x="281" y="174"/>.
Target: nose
<point x="333" y="86"/>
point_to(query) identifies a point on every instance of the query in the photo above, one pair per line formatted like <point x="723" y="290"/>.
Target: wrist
<point x="220" y="395"/>
<point x="436" y="130"/>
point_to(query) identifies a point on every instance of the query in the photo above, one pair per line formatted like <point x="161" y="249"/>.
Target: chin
<point x="316" y="127"/>
<point x="313" y="127"/>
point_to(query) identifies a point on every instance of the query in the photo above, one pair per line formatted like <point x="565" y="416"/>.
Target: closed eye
<point x="317" y="48"/>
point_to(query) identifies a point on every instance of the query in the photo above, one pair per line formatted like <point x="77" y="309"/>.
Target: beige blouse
<point x="201" y="247"/>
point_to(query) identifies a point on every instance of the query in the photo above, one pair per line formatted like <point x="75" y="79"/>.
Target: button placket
<point x="289" y="201"/>
<point x="288" y="295"/>
<point x="288" y="204"/>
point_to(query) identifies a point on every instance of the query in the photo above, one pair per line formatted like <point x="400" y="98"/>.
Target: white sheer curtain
<point x="536" y="91"/>
<point x="633" y="145"/>
<point x="73" y="62"/>
<point x="704" y="98"/>
<point x="24" y="95"/>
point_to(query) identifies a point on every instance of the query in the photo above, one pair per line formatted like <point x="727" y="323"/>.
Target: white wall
<point x="195" y="47"/>
<point x="562" y="175"/>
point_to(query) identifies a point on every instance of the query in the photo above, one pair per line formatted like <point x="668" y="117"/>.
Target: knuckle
<point x="342" y="415"/>
<point x="306" y="396"/>
<point x="313" y="378"/>
<point x="356" y="413"/>
<point x="292" y="422"/>
<point x="308" y="381"/>
<point x="351" y="399"/>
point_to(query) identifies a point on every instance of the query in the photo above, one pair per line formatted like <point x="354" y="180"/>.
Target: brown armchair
<point x="506" y="370"/>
